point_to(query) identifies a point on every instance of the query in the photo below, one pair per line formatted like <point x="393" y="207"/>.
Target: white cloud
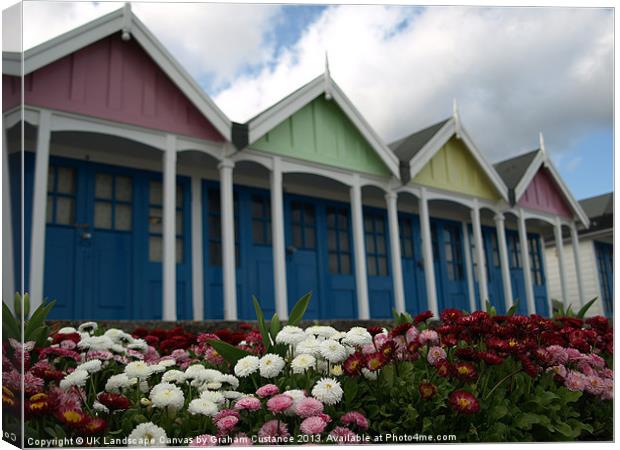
<point x="514" y="71"/>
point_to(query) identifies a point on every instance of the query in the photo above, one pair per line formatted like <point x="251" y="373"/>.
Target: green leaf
<point x="497" y="412"/>
<point x="298" y="311"/>
<point x="513" y="308"/>
<point x="261" y="323"/>
<point x="584" y="309"/>
<point x="230" y="353"/>
<point x="275" y="326"/>
<point x="11" y="328"/>
<point x="38" y="319"/>
<point x="526" y="420"/>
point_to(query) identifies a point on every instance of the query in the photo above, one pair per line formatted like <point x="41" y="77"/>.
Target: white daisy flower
<point x="213" y="386"/>
<point x="369" y="374"/>
<point x="92" y="366"/>
<point x="297" y="395"/>
<point x="67" y="330"/>
<point x="336" y="370"/>
<point x="202" y="406"/>
<point x="309" y="346"/>
<point x="119" y="336"/>
<point x="232" y="380"/>
<point x="118" y="348"/>
<point x="138" y="344"/>
<point x="328" y="391"/>
<point x="213" y="396"/>
<point x="290" y="335"/>
<point x="333" y="351"/>
<point x="357" y="336"/>
<point x="147" y="435"/>
<point x="167" y="362"/>
<point x="246" y="366"/>
<point x="322" y="331"/>
<point x="194" y="370"/>
<point x="76" y="378"/>
<point x="173" y="376"/>
<point x="117" y="382"/>
<point x="94" y="343"/>
<point x="302" y="363"/>
<point x="270" y="365"/>
<point x="138" y="369"/>
<point x="232" y="395"/>
<point x="88" y="327"/>
<point x="166" y="395"/>
<point x="100" y="407"/>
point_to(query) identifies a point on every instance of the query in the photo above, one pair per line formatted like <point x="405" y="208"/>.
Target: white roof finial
<point x="456" y="117"/>
<point x="327" y="78"/>
<point x="126" y="22"/>
<point x="541" y="141"/>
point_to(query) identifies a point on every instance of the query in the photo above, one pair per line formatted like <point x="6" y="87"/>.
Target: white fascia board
<point x="488" y="167"/>
<point x="577" y="209"/>
<point x="181" y="77"/>
<point x="442" y="136"/>
<point x="529" y="175"/>
<point x="272" y="117"/>
<point x="12" y="63"/>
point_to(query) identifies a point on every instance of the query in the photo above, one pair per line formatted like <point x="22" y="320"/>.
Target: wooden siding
<point x="113" y="80"/>
<point x="544" y="195"/>
<point x="321" y="132"/>
<point x="454" y="168"/>
<point x="589" y="269"/>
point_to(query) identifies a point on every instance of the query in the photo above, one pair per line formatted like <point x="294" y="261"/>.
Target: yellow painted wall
<point x="454" y="168"/>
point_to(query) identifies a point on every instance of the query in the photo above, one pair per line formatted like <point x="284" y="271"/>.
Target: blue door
<point x="302" y="255"/>
<point x="516" y="271"/>
<point x="538" y="274"/>
<point x="152" y="185"/>
<point x="449" y="264"/>
<point x="256" y="253"/>
<point x="493" y="269"/>
<point x="605" y="262"/>
<point x="413" y="267"/>
<point x="335" y="220"/>
<point x="380" y="283"/>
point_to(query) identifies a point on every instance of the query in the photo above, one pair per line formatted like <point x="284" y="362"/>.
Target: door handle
<point x="290" y="250"/>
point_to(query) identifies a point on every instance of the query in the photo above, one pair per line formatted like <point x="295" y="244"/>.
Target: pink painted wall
<point x="11" y="87"/>
<point x="544" y="195"/>
<point x="115" y="80"/>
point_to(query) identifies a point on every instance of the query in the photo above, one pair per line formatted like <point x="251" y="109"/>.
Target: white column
<point x="503" y="259"/>
<point x="197" y="250"/>
<point x="277" y="241"/>
<point x="8" y="267"/>
<point x="468" y="269"/>
<point x="575" y="241"/>
<point x="361" y="281"/>
<point x="427" y="252"/>
<point x="559" y="245"/>
<point x="525" y="259"/>
<point x="228" y="239"/>
<point x="483" y="287"/>
<point x="169" y="265"/>
<point x="391" y="199"/>
<point x="543" y="255"/>
<point x="39" y="213"/>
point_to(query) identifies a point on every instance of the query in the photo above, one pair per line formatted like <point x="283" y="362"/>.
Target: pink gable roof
<point x="114" y="80"/>
<point x="542" y="194"/>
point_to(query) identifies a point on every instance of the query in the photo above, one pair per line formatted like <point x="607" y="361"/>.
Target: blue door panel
<point x="378" y="265"/>
<point x="60" y="281"/>
<point x="493" y="270"/>
<point x="515" y="261"/>
<point x="604" y="257"/>
<point x="414" y="283"/>
<point x="449" y="260"/>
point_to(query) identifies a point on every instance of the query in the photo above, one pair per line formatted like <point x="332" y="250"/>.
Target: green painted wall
<point x="322" y="133"/>
<point x="454" y="168"/>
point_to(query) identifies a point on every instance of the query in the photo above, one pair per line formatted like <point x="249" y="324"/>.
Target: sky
<point x="513" y="71"/>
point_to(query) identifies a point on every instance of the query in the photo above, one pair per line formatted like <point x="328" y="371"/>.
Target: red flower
<point x="490" y="358"/>
<point x="443" y="368"/>
<point x="422" y="317"/>
<point x="600" y="323"/>
<point x="427" y="390"/>
<point x="8" y="398"/>
<point x="375" y="361"/>
<point x="352" y="366"/>
<point x="463" y="402"/>
<point x="48" y="373"/>
<point x="374" y="330"/>
<point x="37" y="404"/>
<point x="59" y="337"/>
<point x="450" y="315"/>
<point x="113" y="401"/>
<point x="401" y="329"/>
<point x="413" y="347"/>
<point x="388" y="349"/>
<point x="72" y="417"/>
<point x="151" y="340"/>
<point x="467" y="353"/>
<point x="528" y="366"/>
<point x="140" y="332"/>
<point x="465" y="371"/>
<point x="449" y="340"/>
<point x="94" y="425"/>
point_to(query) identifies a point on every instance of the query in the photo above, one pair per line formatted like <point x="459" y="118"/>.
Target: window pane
<point x="309" y="215"/>
<point x="51" y="177"/>
<point x="381" y="245"/>
<point x="450" y="270"/>
<point x="345" y="264"/>
<point x="214" y="200"/>
<point x="214" y="228"/>
<point x="257" y="207"/>
<point x="179" y="250"/>
<point x="64" y="211"/>
<point x="448" y="250"/>
<point x="258" y="231"/>
<point x="379" y="225"/>
<point x="370" y="243"/>
<point x="383" y="266"/>
<point x="295" y="212"/>
<point x="344" y="241"/>
<point x="155" y="195"/>
<point x="103" y="185"/>
<point x="179" y="223"/>
<point x="331" y="240"/>
<point x="297" y="240"/>
<point x="103" y="215"/>
<point x="215" y="254"/>
<point x="333" y="263"/>
<point x="342" y="221"/>
<point x="123" y="188"/>
<point x="49" y="211"/>
<point x="331" y="218"/>
<point x="66" y="180"/>
<point x="122" y="217"/>
<point x="309" y="237"/>
<point x="155" y="248"/>
<point x="368" y="224"/>
<point x="155" y="220"/>
<point x="372" y="266"/>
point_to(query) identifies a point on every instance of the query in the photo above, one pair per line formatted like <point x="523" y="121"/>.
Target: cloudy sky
<point x="513" y="71"/>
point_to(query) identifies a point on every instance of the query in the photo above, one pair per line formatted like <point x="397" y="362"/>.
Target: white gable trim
<point x="119" y="21"/>
<point x="272" y="117"/>
<point x="542" y="160"/>
<point x="445" y="133"/>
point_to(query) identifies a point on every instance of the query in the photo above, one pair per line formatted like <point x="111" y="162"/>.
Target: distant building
<point x="596" y="248"/>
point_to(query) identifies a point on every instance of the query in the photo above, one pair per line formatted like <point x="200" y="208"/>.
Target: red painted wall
<point x="544" y="195"/>
<point x="114" y="80"/>
<point x="11" y="87"/>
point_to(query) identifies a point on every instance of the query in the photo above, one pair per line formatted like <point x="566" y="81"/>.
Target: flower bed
<point x="477" y="377"/>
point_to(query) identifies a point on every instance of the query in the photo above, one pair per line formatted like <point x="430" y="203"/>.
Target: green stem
<point x="500" y="382"/>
